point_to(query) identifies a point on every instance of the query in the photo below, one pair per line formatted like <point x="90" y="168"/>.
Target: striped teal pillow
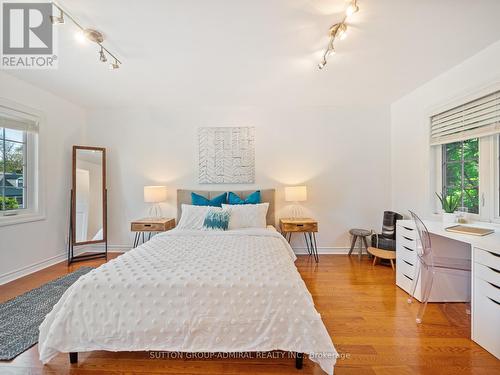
<point x="216" y="219"/>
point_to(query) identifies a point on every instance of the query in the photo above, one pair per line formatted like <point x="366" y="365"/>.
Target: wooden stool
<point x="362" y="233"/>
<point x="382" y="254"/>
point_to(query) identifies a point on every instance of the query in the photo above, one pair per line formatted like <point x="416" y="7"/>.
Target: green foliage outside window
<point x="461" y="173"/>
<point x="10" y="203"/>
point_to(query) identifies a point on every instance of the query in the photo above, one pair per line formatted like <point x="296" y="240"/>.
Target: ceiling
<point x="180" y="53"/>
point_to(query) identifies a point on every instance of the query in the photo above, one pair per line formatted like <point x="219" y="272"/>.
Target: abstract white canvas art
<point x="227" y="155"/>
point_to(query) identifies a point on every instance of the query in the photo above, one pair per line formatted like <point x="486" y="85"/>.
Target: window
<point x="19" y="193"/>
<point x="461" y="173"/>
<point x="465" y="145"/>
<point x="12" y="169"/>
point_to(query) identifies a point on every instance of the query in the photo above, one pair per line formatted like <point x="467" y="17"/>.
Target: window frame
<point x="489" y="183"/>
<point x="34" y="197"/>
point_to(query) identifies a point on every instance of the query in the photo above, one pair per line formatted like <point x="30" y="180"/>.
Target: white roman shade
<point x="478" y="118"/>
<point x="17" y="121"/>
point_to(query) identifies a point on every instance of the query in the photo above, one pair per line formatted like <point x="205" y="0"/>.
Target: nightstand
<point x="307" y="226"/>
<point x="150" y="225"/>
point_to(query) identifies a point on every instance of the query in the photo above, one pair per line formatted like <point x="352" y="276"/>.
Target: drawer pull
<point x="492" y="300"/>
<point x="407" y="248"/>
<point x="408" y="277"/>
<point x="493" y="269"/>
<point x="147" y="225"/>
<point x="493" y="285"/>
<point x="300" y="225"/>
<point x="409" y="239"/>
<point x="407" y="228"/>
<point x="489" y="252"/>
<point x="408" y="263"/>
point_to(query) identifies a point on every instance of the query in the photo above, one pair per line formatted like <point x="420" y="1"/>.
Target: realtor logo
<point x="27" y="36"/>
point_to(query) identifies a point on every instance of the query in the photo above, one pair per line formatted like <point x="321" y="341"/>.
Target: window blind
<point x="17" y="121"/>
<point x="478" y="118"/>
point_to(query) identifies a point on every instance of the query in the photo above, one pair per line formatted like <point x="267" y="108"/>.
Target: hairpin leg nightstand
<point x="149" y="226"/>
<point x="309" y="227"/>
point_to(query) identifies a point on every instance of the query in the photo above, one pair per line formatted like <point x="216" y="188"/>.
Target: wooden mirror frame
<point x="73" y="200"/>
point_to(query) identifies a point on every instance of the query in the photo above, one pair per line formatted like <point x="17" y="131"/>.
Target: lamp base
<point x="155" y="211"/>
<point x="297" y="212"/>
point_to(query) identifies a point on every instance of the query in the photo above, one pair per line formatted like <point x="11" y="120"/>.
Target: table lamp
<point x="296" y="194"/>
<point x="155" y="195"/>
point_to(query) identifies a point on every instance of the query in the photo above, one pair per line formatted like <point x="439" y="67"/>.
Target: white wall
<point x="411" y="161"/>
<point x="341" y="154"/>
<point x="25" y="247"/>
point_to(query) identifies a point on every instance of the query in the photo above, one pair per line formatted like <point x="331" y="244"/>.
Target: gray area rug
<point x="21" y="316"/>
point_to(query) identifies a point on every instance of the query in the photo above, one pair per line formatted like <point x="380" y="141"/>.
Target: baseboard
<point x="322" y="250"/>
<point x="24" y="271"/>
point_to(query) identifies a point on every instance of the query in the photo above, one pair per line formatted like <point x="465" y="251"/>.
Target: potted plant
<point x="449" y="204"/>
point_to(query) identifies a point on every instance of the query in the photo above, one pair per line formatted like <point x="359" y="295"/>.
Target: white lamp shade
<point x="295" y="193"/>
<point x="155" y="194"/>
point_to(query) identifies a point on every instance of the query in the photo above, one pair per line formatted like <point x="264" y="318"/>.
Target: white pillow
<point x="192" y="217"/>
<point x="247" y="215"/>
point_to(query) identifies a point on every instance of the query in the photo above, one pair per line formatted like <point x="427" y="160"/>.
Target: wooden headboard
<point x="267" y="195"/>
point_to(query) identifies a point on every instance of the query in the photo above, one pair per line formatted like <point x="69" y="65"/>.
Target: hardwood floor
<point x="367" y="316"/>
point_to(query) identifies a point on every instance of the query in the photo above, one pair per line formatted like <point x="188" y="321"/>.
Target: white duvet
<point x="192" y="291"/>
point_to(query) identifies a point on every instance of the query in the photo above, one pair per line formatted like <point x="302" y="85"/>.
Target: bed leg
<point x="73" y="357"/>
<point x="299" y="360"/>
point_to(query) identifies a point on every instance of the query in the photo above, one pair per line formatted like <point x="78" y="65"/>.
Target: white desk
<point x="481" y="287"/>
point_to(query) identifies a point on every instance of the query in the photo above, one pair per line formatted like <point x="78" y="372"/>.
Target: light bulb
<point x="342" y="31"/>
<point x="114" y="65"/>
<point x="322" y="64"/>
<point x="80" y="37"/>
<point x="351" y="9"/>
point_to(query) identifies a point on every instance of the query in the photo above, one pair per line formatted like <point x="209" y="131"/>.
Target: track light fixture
<point x="86" y="34"/>
<point x="114" y="65"/>
<point x="57" y="19"/>
<point x="102" y="56"/>
<point x="338" y="31"/>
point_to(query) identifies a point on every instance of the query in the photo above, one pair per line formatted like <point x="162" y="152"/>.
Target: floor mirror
<point x="88" y="208"/>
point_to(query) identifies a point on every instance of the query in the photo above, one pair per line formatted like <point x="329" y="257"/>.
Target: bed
<point x="193" y="291"/>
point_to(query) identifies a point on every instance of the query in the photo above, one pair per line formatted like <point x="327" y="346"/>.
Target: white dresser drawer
<point x="405" y="267"/>
<point x="406" y="253"/>
<point x="407" y="231"/>
<point x="487" y="258"/>
<point x="488" y="274"/>
<point x="486" y="316"/>
<point x="408" y="242"/>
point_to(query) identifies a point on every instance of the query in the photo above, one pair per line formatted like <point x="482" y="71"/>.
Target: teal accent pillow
<point x="253" y="198"/>
<point x="199" y="200"/>
<point x="216" y="219"/>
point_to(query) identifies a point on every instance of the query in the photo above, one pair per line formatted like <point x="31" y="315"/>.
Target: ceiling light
<point x="57" y="20"/>
<point x="114" y="65"/>
<point x="337" y="31"/>
<point x="85" y="35"/>
<point x="80" y="36"/>
<point x="351" y="9"/>
<point x="341" y="31"/>
<point x="102" y="56"/>
<point x="93" y="35"/>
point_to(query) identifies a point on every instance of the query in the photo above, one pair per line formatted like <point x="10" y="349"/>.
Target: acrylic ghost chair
<point x="428" y="264"/>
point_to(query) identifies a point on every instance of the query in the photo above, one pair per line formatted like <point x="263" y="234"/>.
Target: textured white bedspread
<point x="192" y="291"/>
